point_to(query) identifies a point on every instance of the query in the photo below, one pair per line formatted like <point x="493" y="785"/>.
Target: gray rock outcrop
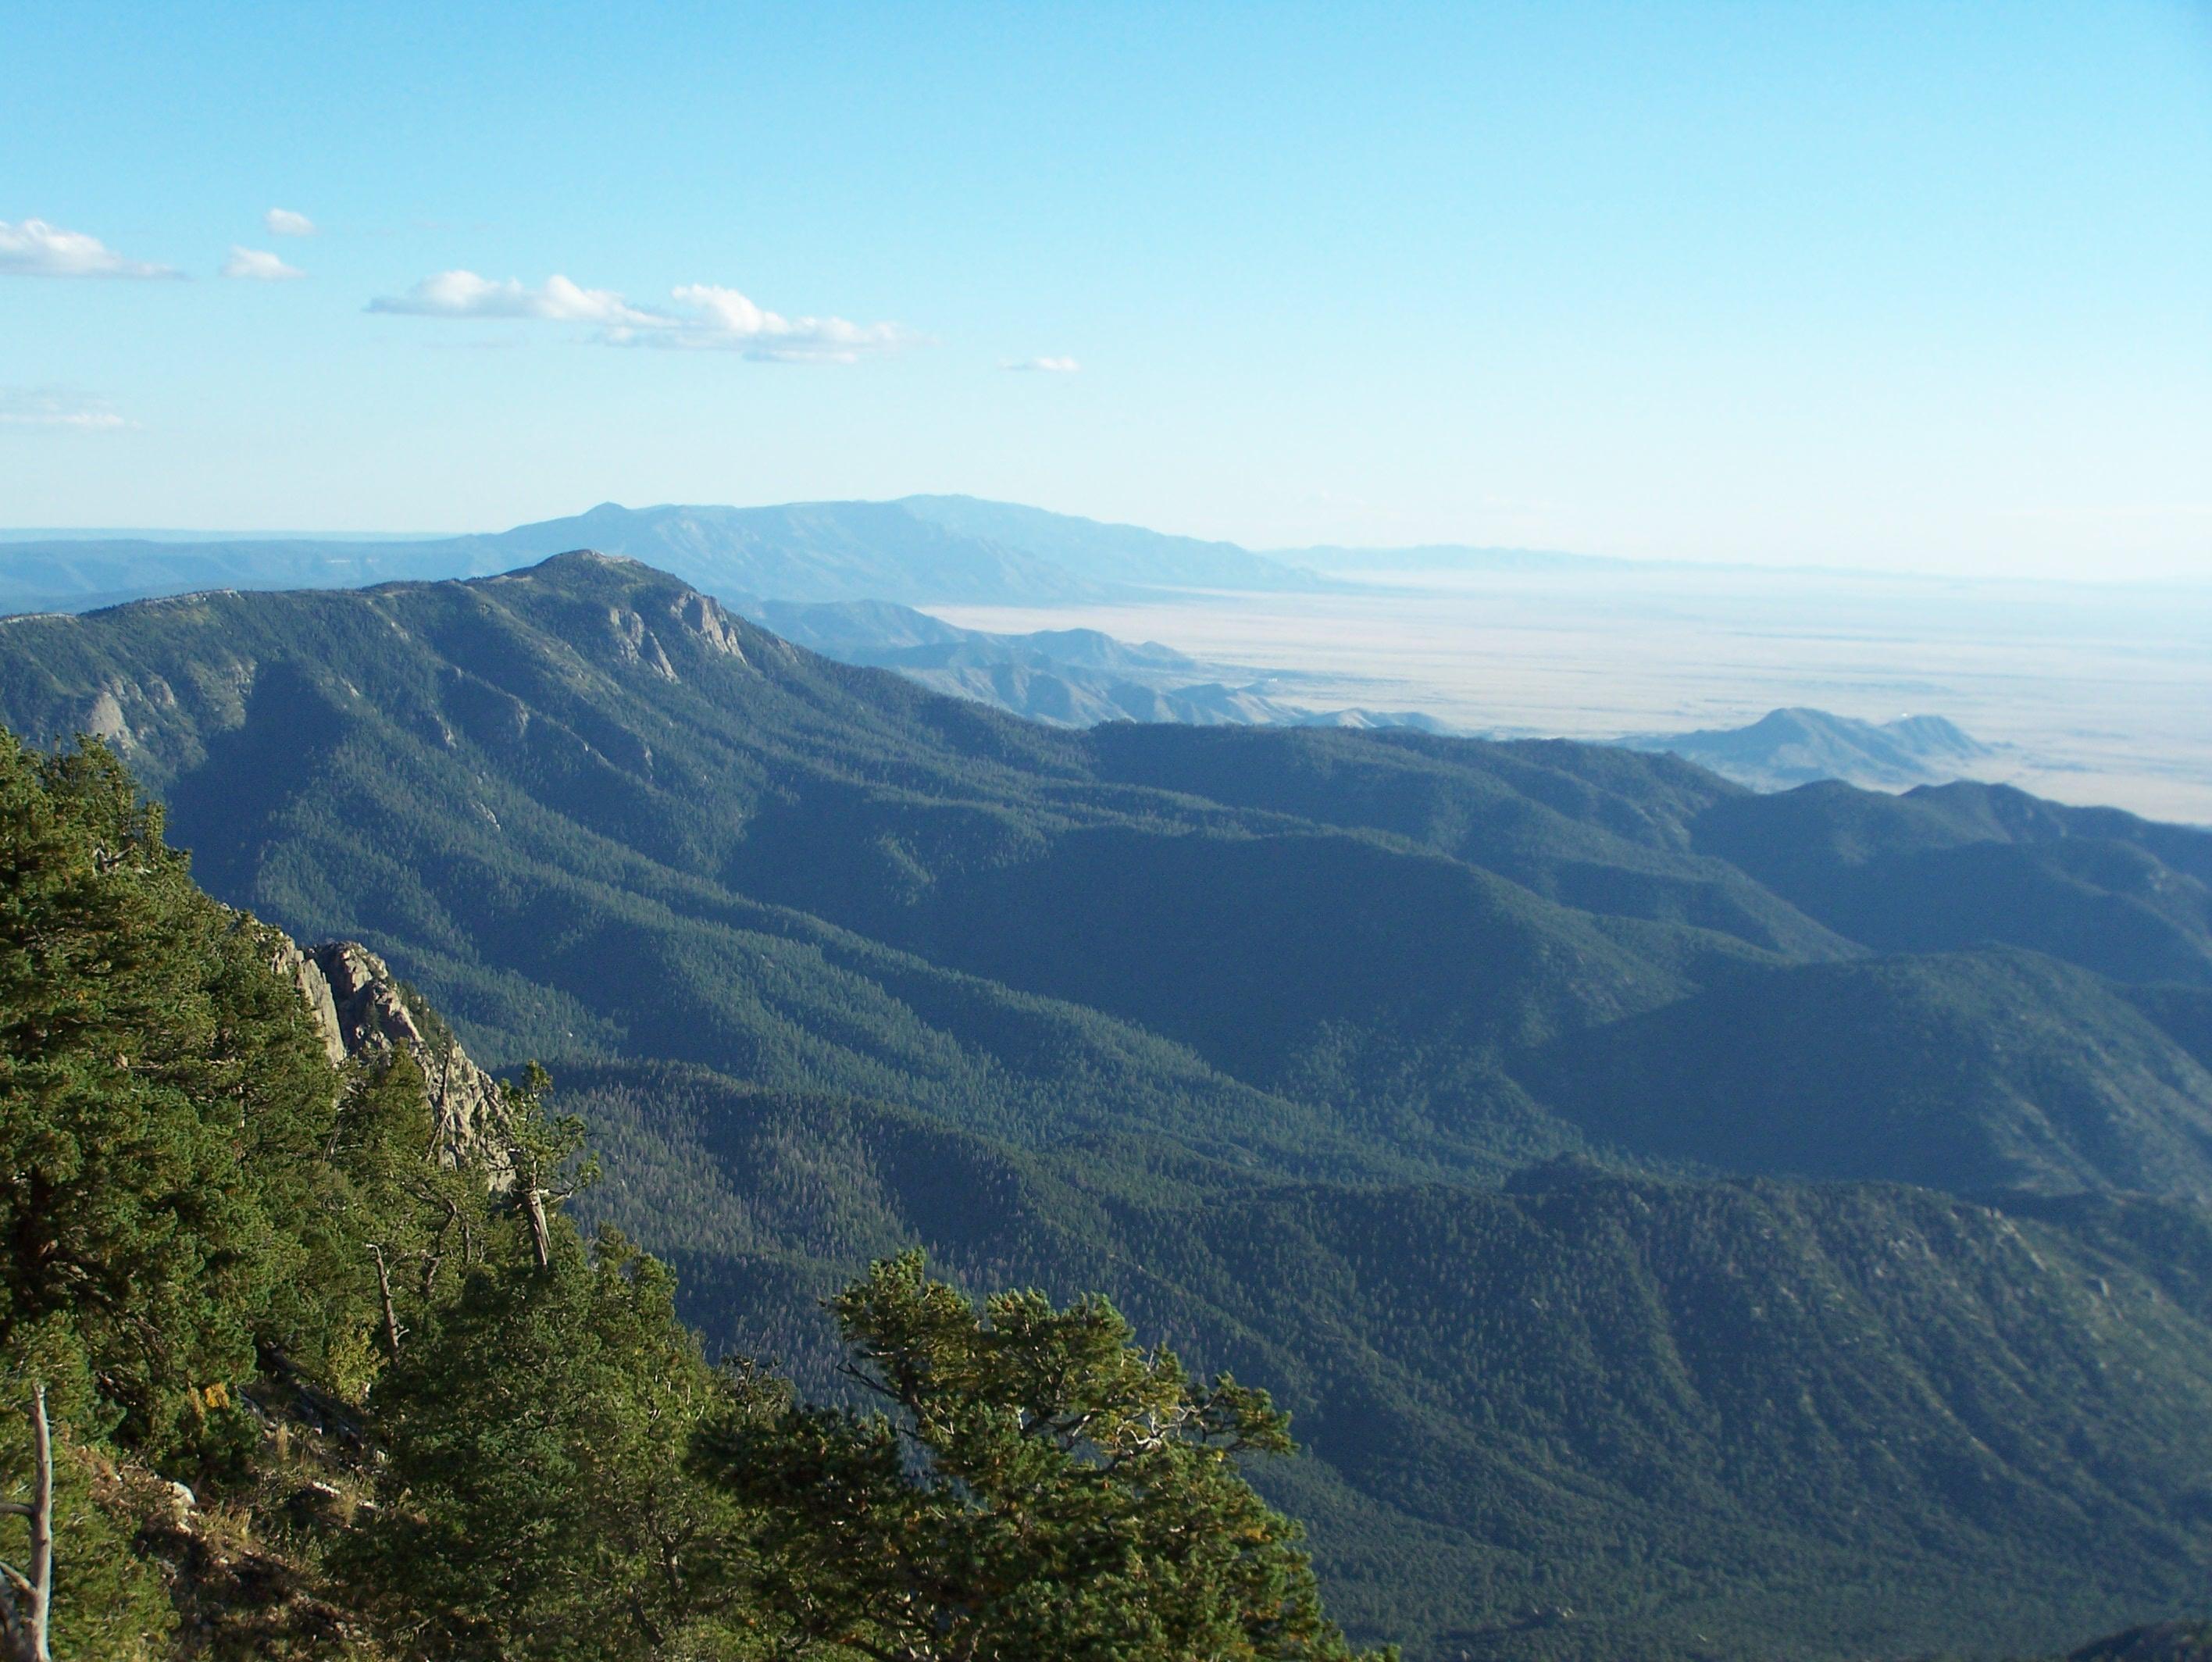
<point x="357" y="1004"/>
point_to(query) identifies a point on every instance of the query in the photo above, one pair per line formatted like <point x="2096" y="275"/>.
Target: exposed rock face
<point x="315" y="987"/>
<point x="356" y="1003"/>
<point x="699" y="613"/>
<point x="635" y="644"/>
<point x="705" y="618"/>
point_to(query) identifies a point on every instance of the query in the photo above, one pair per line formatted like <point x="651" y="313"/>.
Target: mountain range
<point x="1684" y="1221"/>
<point x="843" y="579"/>
<point x="919" y="550"/>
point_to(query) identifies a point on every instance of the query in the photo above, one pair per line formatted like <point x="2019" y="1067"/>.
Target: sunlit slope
<point x="595" y="814"/>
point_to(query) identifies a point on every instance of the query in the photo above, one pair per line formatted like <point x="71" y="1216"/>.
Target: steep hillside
<point x="1734" y="1420"/>
<point x="1997" y="1069"/>
<point x="593" y="813"/>
<point x="1959" y="864"/>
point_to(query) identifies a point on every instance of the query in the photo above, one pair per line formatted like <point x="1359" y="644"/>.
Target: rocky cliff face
<point x="357" y="1003"/>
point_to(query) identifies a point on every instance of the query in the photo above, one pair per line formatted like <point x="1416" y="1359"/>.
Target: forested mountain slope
<point x="1237" y="1024"/>
<point x="1735" y="1419"/>
<point x="2020" y="1071"/>
<point x="301" y="1356"/>
<point x="595" y="815"/>
<point x="1952" y="864"/>
<point x="591" y="813"/>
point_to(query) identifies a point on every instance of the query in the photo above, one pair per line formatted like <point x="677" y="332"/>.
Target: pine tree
<point x="1035" y="1486"/>
<point x="538" y="1502"/>
<point x="161" y="1095"/>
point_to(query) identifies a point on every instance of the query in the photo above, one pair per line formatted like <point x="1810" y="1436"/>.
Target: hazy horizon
<point x="2189" y="580"/>
<point x="1866" y="286"/>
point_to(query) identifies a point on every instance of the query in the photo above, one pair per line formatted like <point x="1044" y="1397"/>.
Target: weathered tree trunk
<point x="541" y="1230"/>
<point x="26" y="1596"/>
<point x="384" y="1287"/>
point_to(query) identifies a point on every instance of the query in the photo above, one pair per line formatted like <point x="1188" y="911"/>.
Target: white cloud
<point x="1043" y="366"/>
<point x="33" y="248"/>
<point x="257" y="264"/>
<point x="702" y="317"/>
<point x="711" y="318"/>
<point x="465" y="295"/>
<point x="55" y="407"/>
<point x="283" y="222"/>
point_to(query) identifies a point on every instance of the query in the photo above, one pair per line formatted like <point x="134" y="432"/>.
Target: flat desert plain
<point x="2099" y="694"/>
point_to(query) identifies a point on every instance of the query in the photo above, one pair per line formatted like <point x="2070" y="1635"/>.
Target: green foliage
<point x="537" y="1499"/>
<point x="1819" y="1421"/>
<point x="541" y="1157"/>
<point x="160" y="1094"/>
<point x="108" y="1601"/>
<point x="392" y="1228"/>
<point x="1039" y="1487"/>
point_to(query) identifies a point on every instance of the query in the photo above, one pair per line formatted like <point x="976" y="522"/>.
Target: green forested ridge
<point x="421" y="1416"/>
<point x="832" y="965"/>
<point x="593" y="815"/>
<point x="2024" y="1072"/>
<point x="1832" y="1421"/>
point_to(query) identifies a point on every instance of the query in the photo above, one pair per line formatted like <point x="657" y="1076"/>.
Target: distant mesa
<point x="1788" y="747"/>
<point x="923" y="551"/>
<point x="915" y="551"/>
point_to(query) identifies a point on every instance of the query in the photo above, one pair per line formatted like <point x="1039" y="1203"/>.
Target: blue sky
<point x="1924" y="286"/>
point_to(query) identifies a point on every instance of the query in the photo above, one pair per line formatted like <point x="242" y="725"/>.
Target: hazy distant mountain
<point x="884" y="635"/>
<point x="78" y="574"/>
<point x="1787" y="748"/>
<point x="1065" y="677"/>
<point x="1110" y="554"/>
<point x="806" y="551"/>
<point x="812" y="551"/>
<point x="12" y="534"/>
<point x="927" y="550"/>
